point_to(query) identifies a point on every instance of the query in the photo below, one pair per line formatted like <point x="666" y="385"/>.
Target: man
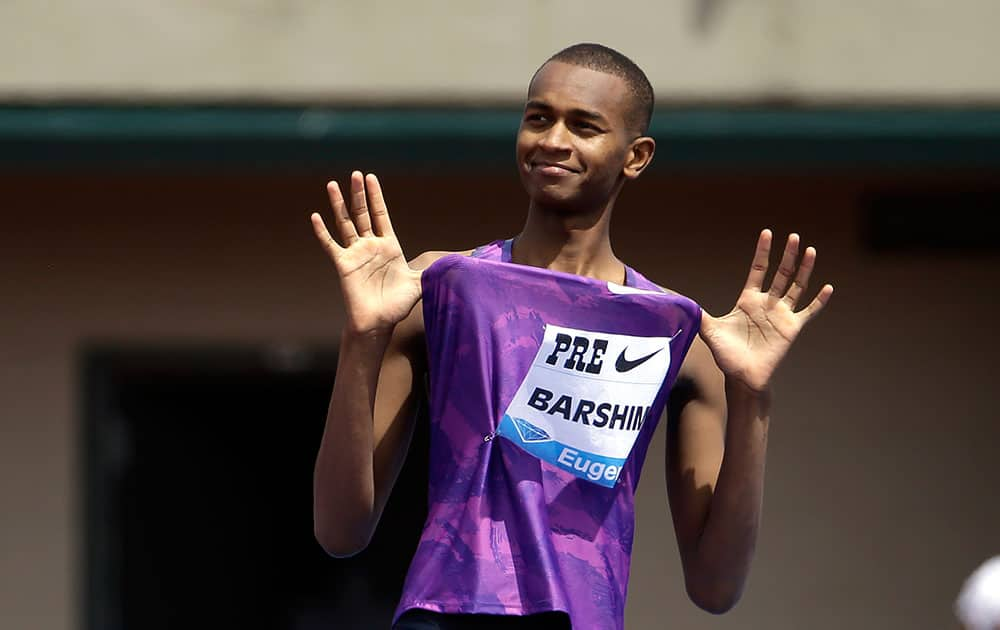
<point x="581" y="138"/>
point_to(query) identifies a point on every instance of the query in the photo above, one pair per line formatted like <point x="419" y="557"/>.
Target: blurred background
<point x="168" y="325"/>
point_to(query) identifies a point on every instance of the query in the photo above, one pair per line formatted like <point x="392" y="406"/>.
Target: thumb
<point x="416" y="275"/>
<point x="708" y="324"/>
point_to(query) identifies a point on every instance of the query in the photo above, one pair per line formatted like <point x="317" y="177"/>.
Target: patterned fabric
<point x="419" y="619"/>
<point x="508" y="533"/>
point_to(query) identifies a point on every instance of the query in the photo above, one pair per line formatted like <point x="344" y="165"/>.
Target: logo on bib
<point x="579" y="413"/>
<point x="624" y="365"/>
<point x="529" y="432"/>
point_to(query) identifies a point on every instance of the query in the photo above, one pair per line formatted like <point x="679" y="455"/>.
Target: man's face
<point x="573" y="139"/>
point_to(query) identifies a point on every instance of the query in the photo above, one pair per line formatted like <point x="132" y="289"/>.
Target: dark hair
<point x="604" y="59"/>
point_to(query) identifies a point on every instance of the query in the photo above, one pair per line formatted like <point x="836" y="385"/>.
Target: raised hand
<point x="379" y="287"/>
<point x="750" y="341"/>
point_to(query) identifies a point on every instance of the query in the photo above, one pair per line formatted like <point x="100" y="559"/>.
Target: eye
<point x="536" y="118"/>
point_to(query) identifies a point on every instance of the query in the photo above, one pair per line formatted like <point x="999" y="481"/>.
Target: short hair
<point x="603" y="59"/>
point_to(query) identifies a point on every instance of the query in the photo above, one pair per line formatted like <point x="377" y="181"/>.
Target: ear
<point x="638" y="157"/>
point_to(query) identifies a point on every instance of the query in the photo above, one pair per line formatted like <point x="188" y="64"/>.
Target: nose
<point x="555" y="138"/>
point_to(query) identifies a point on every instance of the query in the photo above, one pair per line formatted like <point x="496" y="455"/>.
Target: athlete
<point x="511" y="540"/>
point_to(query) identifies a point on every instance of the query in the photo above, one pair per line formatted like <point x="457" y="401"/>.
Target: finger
<point x="758" y="268"/>
<point x="359" y="205"/>
<point x="332" y="247"/>
<point x="378" y="210"/>
<point x="786" y="267"/>
<point x="822" y="299"/>
<point x="801" y="282"/>
<point x="342" y="220"/>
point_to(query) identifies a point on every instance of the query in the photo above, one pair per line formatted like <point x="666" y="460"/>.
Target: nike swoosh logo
<point x="624" y="365"/>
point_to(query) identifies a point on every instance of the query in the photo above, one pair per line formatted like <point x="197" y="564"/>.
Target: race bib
<point x="584" y="399"/>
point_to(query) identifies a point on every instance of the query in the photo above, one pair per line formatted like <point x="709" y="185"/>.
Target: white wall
<point x="443" y="51"/>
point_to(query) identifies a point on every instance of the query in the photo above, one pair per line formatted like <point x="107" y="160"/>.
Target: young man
<point x="515" y="539"/>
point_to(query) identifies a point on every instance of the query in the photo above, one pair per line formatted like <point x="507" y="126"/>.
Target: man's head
<point x="582" y="133"/>
<point x="639" y="110"/>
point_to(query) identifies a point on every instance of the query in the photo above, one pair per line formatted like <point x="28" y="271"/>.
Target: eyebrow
<point x="577" y="112"/>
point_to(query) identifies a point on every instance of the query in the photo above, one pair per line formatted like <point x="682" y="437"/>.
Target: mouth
<point x="553" y="169"/>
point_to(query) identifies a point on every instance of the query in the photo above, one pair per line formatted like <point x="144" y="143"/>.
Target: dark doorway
<point x="199" y="495"/>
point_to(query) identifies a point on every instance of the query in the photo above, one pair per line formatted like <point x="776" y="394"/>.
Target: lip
<point x="552" y="169"/>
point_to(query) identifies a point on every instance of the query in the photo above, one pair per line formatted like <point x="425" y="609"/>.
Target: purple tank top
<point x="545" y="390"/>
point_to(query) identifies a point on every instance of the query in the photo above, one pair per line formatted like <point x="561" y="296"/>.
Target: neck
<point x="571" y="243"/>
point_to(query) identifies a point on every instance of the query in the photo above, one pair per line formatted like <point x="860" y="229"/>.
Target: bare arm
<point x="369" y="425"/>
<point x="715" y="479"/>
<point x="718" y="436"/>
<point x="370" y="419"/>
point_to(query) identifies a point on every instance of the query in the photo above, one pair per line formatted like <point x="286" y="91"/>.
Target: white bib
<point x="584" y="399"/>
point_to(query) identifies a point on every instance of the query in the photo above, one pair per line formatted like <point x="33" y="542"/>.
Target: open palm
<point x="750" y="341"/>
<point x="379" y="287"/>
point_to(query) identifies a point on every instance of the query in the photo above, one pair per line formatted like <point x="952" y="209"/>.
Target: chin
<point x="555" y="198"/>
<point x="550" y="194"/>
<point x="561" y="206"/>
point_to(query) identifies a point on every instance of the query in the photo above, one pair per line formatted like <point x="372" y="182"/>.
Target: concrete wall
<point x="881" y="473"/>
<point x="444" y="52"/>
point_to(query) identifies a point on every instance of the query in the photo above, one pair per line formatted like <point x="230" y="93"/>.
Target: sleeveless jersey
<point x="545" y="390"/>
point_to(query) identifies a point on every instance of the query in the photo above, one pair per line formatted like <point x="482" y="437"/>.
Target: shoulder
<point x="657" y="286"/>
<point x="699" y="370"/>
<point x="642" y="282"/>
<point x="410" y="332"/>
<point x="426" y="259"/>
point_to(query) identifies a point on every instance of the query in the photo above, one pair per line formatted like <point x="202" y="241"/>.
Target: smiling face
<point x="574" y="145"/>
